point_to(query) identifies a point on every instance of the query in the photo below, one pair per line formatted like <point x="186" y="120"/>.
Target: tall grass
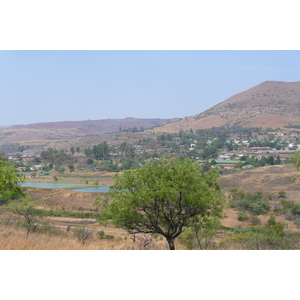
<point x="13" y="237"/>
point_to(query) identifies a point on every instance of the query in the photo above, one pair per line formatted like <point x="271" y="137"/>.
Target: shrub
<point x="269" y="197"/>
<point x="274" y="237"/>
<point x="254" y="203"/>
<point x="282" y="194"/>
<point x="109" y="237"/>
<point x="295" y="210"/>
<point x="277" y="209"/>
<point x="101" y="234"/>
<point x="242" y="216"/>
<point x="90" y="161"/>
<point x="297" y="222"/>
<point x="260" y="207"/>
<point x="286" y="204"/>
<point x="47" y="228"/>
<point x="271" y="221"/>
<point x="231" y="204"/>
<point x="255" y="221"/>
<point x="82" y="233"/>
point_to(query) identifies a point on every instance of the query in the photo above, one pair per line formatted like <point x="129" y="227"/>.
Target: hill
<point x="63" y="134"/>
<point x="270" y="104"/>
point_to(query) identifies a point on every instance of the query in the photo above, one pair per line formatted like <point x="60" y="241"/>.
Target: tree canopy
<point x="9" y="179"/>
<point x="163" y="197"/>
<point x="297" y="160"/>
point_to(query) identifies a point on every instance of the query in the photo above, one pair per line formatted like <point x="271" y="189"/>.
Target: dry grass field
<point x="269" y="180"/>
<point x="14" y="237"/>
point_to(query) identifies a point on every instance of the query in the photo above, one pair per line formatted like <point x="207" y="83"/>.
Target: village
<point x="227" y="149"/>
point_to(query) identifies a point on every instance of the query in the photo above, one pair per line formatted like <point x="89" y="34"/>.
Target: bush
<point x="82" y="233"/>
<point x="47" y="228"/>
<point x="274" y="237"/>
<point x="90" y="161"/>
<point x="260" y="207"/>
<point x="242" y="216"/>
<point x="101" y="234"/>
<point x="255" y="203"/>
<point x="290" y="217"/>
<point x="277" y="209"/>
<point x="255" y="221"/>
<point x="282" y="194"/>
<point x="297" y="222"/>
<point x="231" y="204"/>
<point x="286" y="204"/>
<point x="109" y="237"/>
<point x="295" y="210"/>
<point x="271" y="221"/>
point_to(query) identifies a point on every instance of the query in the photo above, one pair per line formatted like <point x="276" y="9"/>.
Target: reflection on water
<point x="93" y="189"/>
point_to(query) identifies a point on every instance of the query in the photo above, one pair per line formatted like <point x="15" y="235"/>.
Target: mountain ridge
<point x="268" y="104"/>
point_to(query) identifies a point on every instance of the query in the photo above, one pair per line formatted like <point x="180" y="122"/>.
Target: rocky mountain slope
<point x="269" y="104"/>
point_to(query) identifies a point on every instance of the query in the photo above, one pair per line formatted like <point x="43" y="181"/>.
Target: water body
<point x="92" y="189"/>
<point x="49" y="184"/>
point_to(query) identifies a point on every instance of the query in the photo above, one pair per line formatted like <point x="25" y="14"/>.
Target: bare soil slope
<point x="269" y="104"/>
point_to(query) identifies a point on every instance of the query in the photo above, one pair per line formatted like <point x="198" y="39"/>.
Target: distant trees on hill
<point x="98" y="152"/>
<point x="56" y="157"/>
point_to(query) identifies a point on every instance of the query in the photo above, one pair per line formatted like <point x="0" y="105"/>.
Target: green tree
<point x="296" y="157"/>
<point x="278" y="160"/>
<point x="87" y="151"/>
<point x="163" y="197"/>
<point x="238" y="165"/>
<point x="129" y="151"/>
<point x="282" y="194"/>
<point x="72" y="149"/>
<point x="10" y="187"/>
<point x="210" y="152"/>
<point x="90" y="161"/>
<point x="60" y="169"/>
<point x="271" y="160"/>
<point x="101" y="151"/>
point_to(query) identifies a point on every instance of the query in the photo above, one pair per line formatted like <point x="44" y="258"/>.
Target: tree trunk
<point x="171" y="243"/>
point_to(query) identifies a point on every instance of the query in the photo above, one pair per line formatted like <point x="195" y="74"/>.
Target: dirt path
<point x="90" y="224"/>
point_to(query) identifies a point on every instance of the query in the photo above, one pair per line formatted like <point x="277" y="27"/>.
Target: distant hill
<point x="61" y="134"/>
<point x="95" y="127"/>
<point x="269" y="104"/>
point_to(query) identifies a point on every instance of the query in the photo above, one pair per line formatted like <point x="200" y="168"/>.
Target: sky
<point x="69" y="85"/>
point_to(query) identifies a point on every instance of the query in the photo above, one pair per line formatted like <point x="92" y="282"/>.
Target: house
<point x="247" y="167"/>
<point x="220" y="162"/>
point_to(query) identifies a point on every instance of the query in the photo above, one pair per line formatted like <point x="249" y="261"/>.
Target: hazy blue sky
<point x="45" y="86"/>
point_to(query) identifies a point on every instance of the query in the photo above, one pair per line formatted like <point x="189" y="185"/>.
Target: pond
<point x="49" y="184"/>
<point x="92" y="189"/>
